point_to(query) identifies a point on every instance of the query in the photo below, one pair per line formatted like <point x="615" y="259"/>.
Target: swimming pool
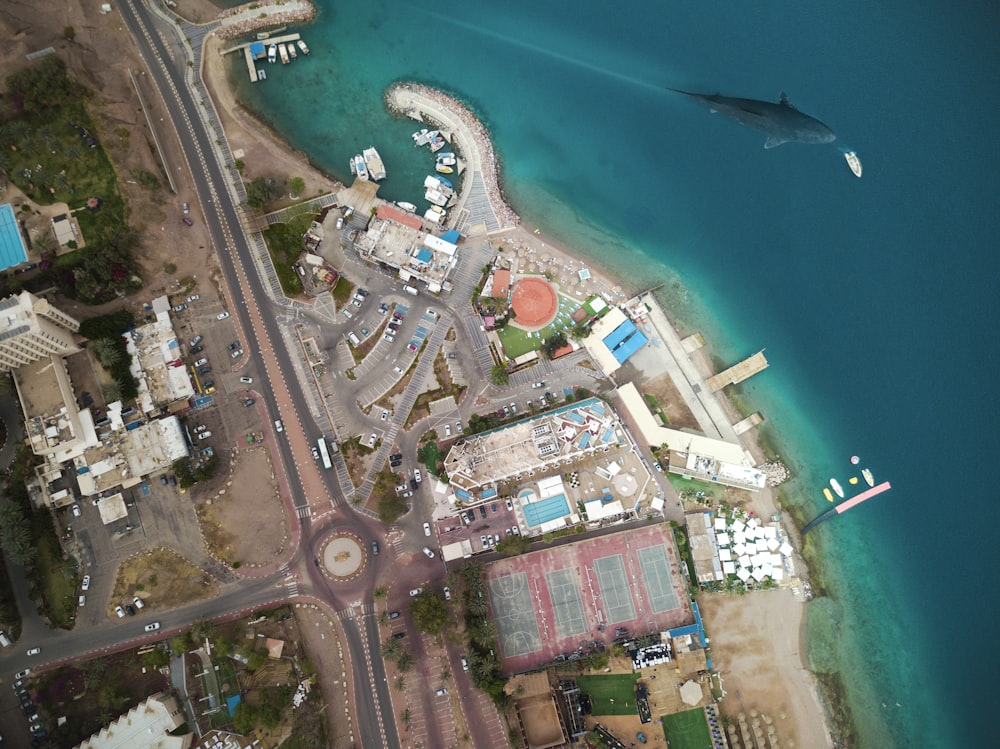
<point x="536" y="513"/>
<point x="12" y="251"/>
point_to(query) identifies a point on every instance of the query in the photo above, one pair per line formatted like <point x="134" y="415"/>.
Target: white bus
<point x="324" y="453"/>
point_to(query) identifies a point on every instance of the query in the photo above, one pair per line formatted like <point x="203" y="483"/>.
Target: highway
<point x="257" y="315"/>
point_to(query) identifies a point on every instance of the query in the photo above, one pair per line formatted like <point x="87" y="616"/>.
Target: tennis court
<point x="514" y="614"/>
<point x="655" y="568"/>
<point x="687" y="730"/>
<point x="536" y="513"/>
<point x="614" y="589"/>
<point x="567" y="608"/>
<point x="11" y="244"/>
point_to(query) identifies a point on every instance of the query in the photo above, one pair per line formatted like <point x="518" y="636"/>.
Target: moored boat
<point x="361" y="167"/>
<point x="869" y="478"/>
<point x="291" y="51"/>
<point x="283" y="53"/>
<point x="437" y="144"/>
<point x="261" y="74"/>
<point x="354" y="165"/>
<point x="437" y="182"/>
<point x="272" y="53"/>
<point x="302" y="47"/>
<point x="435" y="197"/>
<point x="376" y="169"/>
<point x="408" y="207"/>
<point x="435" y="214"/>
<point x="445" y="160"/>
<point x="421" y="137"/>
<point x="837" y="487"/>
<point x="828" y="494"/>
<point x="444" y="169"/>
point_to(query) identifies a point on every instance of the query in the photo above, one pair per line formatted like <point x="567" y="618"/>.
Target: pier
<point x="251" y="58"/>
<point x="738" y="372"/>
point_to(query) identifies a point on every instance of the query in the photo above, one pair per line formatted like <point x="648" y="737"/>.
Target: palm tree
<point x="107" y="352"/>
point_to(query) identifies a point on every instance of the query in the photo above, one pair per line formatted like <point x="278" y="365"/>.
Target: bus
<point x="324" y="453"/>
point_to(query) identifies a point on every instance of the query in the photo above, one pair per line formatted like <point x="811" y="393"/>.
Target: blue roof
<point x="451" y="236"/>
<point x="257" y="49"/>
<point x="632" y="344"/>
<point x="619" y="334"/>
<point x="424" y="255"/>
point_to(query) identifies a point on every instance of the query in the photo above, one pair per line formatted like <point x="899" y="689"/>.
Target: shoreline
<point x="239" y="120"/>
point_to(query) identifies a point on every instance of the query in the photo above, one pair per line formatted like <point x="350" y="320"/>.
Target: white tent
<point x="786" y="549"/>
<point x="772" y="544"/>
<point x="743" y="574"/>
<point x="739" y="526"/>
<point x="739" y="549"/>
<point x="729" y="568"/>
<point x="723" y="539"/>
<point x="725" y="555"/>
<point x="744" y="561"/>
<point x="720" y="523"/>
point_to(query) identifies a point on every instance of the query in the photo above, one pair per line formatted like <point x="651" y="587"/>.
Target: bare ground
<point x="322" y="644"/>
<point x="669" y="398"/>
<point x="244" y="521"/>
<point x="167" y="579"/>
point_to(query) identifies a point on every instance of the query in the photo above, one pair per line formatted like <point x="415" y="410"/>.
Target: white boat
<point x="435" y="197"/>
<point x="376" y="169"/>
<point x="354" y="166"/>
<point x="446" y="161"/>
<point x="361" y="167"/>
<point x="272" y="53"/>
<point x="869" y="478"/>
<point x="408" y="207"/>
<point x="434" y="214"/>
<point x="437" y="144"/>
<point x="437" y="182"/>
<point x="302" y="47"/>
<point x="262" y="75"/>
<point x="853" y="162"/>
<point x="837" y="488"/>
<point x="420" y="137"/>
<point x="283" y="53"/>
<point x="291" y="51"/>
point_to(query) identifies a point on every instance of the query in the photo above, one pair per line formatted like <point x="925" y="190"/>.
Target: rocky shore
<point x="481" y="141"/>
<point x="258" y="16"/>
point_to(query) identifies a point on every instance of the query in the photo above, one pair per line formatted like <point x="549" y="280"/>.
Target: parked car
<point x="236" y="354"/>
<point x="139" y="603"/>
<point x="515" y="530"/>
<point x="208" y="385"/>
<point x="201" y="362"/>
<point x="233" y="346"/>
<point x="414" y="592"/>
<point x="204" y="371"/>
<point x="538" y="385"/>
<point x="196" y="350"/>
<point x="187" y="221"/>
<point x="406" y="495"/>
<point x="77" y="512"/>
<point x="372" y="439"/>
<point x="427" y="529"/>
<point x="152" y="627"/>
<point x="186" y="208"/>
<point x="222" y="316"/>
<point x="34" y="651"/>
<point x="393" y="615"/>
<point x="416" y="475"/>
<point x="180" y="307"/>
<point x="129" y="609"/>
<point x="204" y="435"/>
<point x="465" y="663"/>
<point x="194" y="298"/>
<point x="510" y="505"/>
<point x="120" y="612"/>
<point x="428" y="553"/>
<point x="199" y="428"/>
<point x="248" y="402"/>
<point x="196" y="340"/>
<point x="22" y="674"/>
<point x="447" y="593"/>
<point x="442" y="692"/>
<point x="246" y="380"/>
<point x="399" y="635"/>
<point x="347" y="313"/>
<point x="85" y="584"/>
<point x="385" y="415"/>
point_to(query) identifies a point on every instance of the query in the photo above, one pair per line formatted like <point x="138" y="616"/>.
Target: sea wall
<point x="259" y="16"/>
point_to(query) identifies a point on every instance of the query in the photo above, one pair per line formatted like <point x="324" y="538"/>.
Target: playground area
<point x="554" y="604"/>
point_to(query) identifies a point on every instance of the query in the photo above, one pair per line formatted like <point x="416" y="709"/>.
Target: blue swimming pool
<point x="12" y="251"/>
<point x="545" y="510"/>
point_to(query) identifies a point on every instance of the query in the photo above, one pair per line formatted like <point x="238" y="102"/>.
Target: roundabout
<point x="342" y="556"/>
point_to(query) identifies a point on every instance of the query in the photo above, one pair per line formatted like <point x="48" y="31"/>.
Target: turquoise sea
<point x="876" y="299"/>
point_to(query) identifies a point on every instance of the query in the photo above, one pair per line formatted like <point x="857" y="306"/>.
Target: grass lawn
<point x="342" y="292"/>
<point x="284" y="242"/>
<point x="604" y="688"/>
<point x="683" y="484"/>
<point x="516" y="342"/>
<point x="687" y="730"/>
<point x="57" y="578"/>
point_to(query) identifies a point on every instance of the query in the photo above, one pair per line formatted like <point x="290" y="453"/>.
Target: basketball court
<point x="557" y="600"/>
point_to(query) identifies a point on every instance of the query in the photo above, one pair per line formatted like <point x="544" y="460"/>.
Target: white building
<point x="32" y="329"/>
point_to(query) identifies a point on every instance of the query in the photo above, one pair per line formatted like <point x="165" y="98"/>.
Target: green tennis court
<point x="610" y="694"/>
<point x="687" y="730"/>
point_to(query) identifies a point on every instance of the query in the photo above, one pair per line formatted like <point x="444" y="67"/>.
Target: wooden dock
<point x="738" y="372"/>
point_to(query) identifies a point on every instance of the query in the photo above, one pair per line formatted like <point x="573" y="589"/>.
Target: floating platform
<point x="256" y="50"/>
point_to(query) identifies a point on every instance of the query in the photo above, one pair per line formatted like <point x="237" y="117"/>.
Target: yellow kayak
<point x="828" y="494"/>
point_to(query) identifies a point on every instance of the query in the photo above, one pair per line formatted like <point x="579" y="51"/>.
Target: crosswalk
<point x="291" y="583"/>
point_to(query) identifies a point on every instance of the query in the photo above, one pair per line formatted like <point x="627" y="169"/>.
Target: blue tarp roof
<point x="257" y="49"/>
<point x="629" y="347"/>
<point x="424" y="255"/>
<point x="451" y="236"/>
<point x="619" y="334"/>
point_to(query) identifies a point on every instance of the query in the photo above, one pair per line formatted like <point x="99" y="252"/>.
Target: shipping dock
<point x="253" y="52"/>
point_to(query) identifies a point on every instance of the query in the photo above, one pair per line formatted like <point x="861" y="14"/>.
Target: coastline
<point x="267" y="148"/>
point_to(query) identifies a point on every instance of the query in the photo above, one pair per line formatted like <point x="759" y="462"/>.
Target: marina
<point x="270" y="49"/>
<point x="373" y="161"/>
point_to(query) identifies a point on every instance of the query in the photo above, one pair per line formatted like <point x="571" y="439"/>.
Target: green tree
<point x="69" y="33"/>
<point x="244" y="718"/>
<point x="499" y="376"/>
<point x="553" y="343"/>
<point x="43" y="85"/>
<point x="261" y="191"/>
<point x="108" y="352"/>
<point x="391" y="649"/>
<point x="202" y="630"/>
<point x="429" y="611"/>
<point x="297" y="185"/>
<point x="157" y="658"/>
<point x="182" y="643"/>
<point x="405" y="662"/>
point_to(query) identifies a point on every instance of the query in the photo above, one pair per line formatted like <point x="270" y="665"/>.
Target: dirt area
<point x="244" y="521"/>
<point x="670" y="400"/>
<point x="756" y="645"/>
<point x="357" y="457"/>
<point x="162" y="579"/>
<point x="322" y="645"/>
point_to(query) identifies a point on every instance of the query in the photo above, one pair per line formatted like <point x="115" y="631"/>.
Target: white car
<point x="139" y="603"/>
<point x="152" y="627"/>
<point x="515" y="530"/>
<point x="538" y="385"/>
<point x="204" y="435"/>
<point x="414" y="592"/>
<point x="416" y="475"/>
<point x="120" y="612"/>
<point x="279" y="426"/>
<point x="465" y="663"/>
<point x="385" y="415"/>
<point x="372" y="439"/>
<point x="85" y="585"/>
<point x="347" y="313"/>
<point x="222" y="316"/>
<point x="442" y="692"/>
<point x="427" y="529"/>
<point x="447" y="430"/>
<point x="34" y="651"/>
<point x="201" y="362"/>
<point x="246" y="380"/>
<point x="428" y="553"/>
<point x="200" y="428"/>
<point x="447" y="593"/>
<point x="236" y="354"/>
<point x="194" y="297"/>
